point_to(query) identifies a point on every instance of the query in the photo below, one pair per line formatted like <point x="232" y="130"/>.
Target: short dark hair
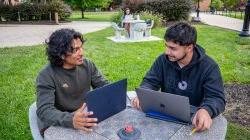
<point x="181" y="33"/>
<point x="59" y="43"/>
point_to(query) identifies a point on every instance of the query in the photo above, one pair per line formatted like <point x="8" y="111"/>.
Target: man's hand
<point x="81" y="120"/>
<point x="202" y="120"/>
<point x="136" y="103"/>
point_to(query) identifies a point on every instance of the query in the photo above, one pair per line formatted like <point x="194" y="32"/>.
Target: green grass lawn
<point x="238" y="15"/>
<point x="92" y="16"/>
<point x="19" y="67"/>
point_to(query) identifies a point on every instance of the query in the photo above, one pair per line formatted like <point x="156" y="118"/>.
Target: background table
<point x="151" y="129"/>
<point x="133" y="33"/>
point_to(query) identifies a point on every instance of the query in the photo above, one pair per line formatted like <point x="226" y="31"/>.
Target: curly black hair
<point x="59" y="43"/>
<point x="181" y="33"/>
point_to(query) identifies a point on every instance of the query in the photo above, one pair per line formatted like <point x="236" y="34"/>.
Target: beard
<point x="174" y="59"/>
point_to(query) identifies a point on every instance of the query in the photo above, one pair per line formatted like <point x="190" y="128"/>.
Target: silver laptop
<point x="172" y="105"/>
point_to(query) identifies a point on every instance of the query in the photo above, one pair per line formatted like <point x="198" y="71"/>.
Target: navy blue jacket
<point x="200" y="80"/>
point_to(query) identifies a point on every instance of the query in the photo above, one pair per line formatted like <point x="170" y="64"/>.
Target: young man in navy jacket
<point x="185" y="69"/>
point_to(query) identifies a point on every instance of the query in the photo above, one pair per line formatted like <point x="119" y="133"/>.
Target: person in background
<point x="125" y="20"/>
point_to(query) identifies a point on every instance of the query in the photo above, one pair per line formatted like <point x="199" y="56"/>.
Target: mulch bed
<point x="238" y="103"/>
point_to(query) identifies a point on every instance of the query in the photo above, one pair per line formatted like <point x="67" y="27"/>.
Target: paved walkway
<point x="27" y="35"/>
<point x="12" y="35"/>
<point x="221" y="21"/>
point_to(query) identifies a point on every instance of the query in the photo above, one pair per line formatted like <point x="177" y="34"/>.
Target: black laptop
<point x="107" y="100"/>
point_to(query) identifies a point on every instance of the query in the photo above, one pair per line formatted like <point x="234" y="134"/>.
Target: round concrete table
<point x="150" y="129"/>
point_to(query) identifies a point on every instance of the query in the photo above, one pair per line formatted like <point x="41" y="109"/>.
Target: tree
<point x="117" y="2"/>
<point x="232" y="4"/>
<point x="84" y="4"/>
<point x="217" y="4"/>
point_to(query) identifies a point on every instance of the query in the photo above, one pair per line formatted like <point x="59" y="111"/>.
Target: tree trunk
<point x="82" y="13"/>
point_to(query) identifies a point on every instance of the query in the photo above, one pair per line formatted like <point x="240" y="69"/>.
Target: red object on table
<point x="129" y="129"/>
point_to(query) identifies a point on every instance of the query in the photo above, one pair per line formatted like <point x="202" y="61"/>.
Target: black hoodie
<point x="200" y="80"/>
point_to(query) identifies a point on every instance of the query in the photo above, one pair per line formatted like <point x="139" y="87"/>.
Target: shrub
<point x="29" y="11"/>
<point x="171" y="10"/>
<point x="131" y="4"/>
<point x="63" y="9"/>
<point x="117" y="17"/>
<point x="155" y="17"/>
<point x="26" y="11"/>
<point x="7" y="12"/>
<point x="217" y="4"/>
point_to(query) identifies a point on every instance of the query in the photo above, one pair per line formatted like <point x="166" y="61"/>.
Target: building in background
<point x="10" y="2"/>
<point x="205" y="5"/>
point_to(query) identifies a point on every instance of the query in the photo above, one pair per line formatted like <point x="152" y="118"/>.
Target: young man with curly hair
<point x="62" y="84"/>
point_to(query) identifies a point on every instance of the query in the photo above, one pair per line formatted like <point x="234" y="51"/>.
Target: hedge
<point x="34" y="11"/>
<point x="170" y="10"/>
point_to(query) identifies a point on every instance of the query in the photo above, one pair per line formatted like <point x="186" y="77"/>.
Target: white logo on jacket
<point x="182" y="85"/>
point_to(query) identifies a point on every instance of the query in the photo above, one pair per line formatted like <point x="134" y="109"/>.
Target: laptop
<point x="165" y="106"/>
<point x="107" y="100"/>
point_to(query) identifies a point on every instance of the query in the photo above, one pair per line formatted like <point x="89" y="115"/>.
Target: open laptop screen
<point x="107" y="100"/>
<point x="156" y="103"/>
